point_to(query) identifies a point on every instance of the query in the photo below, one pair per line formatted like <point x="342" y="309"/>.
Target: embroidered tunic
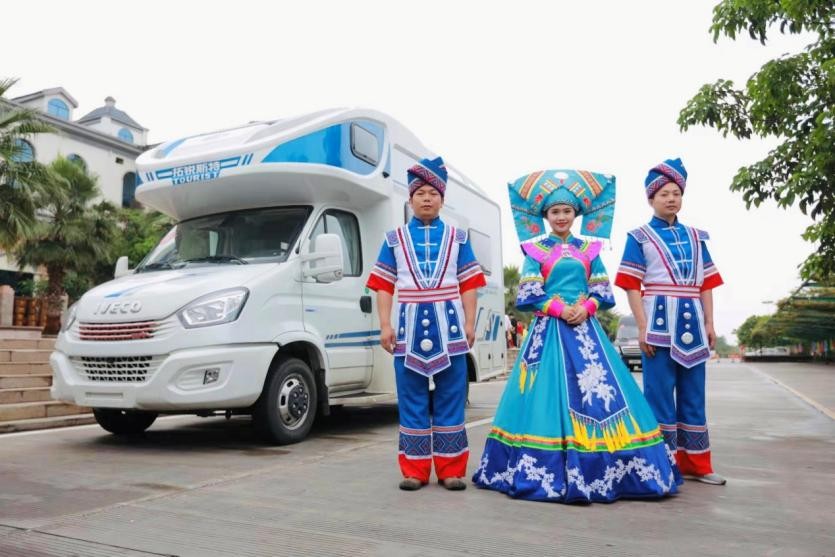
<point x="674" y="266"/>
<point x="430" y="266"/>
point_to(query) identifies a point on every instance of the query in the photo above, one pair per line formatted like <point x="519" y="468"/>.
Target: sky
<point x="499" y="90"/>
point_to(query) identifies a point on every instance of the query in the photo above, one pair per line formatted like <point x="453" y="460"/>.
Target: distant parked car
<point x="626" y="342"/>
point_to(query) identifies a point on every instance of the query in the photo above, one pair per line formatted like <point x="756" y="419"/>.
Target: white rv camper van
<point x="255" y="302"/>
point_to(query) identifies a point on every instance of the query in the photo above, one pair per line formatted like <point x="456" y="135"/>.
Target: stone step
<point x="46" y="423"/>
<point x="28" y="343"/>
<point x="24" y="368"/>
<point x="21" y="381"/>
<point x="24" y="355"/>
<point x="26" y="394"/>
<point x="21" y="332"/>
<point x="48" y="409"/>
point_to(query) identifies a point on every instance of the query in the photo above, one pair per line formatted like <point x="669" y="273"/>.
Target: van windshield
<point x="235" y="238"/>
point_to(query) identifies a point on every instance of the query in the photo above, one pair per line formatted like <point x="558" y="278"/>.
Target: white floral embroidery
<point x="525" y="464"/>
<point x="602" y="289"/>
<point x="592" y="380"/>
<point x="601" y="486"/>
<point x="529" y="288"/>
<point x="536" y="341"/>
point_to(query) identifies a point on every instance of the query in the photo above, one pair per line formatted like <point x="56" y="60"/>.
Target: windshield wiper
<point x="154" y="266"/>
<point x="217" y="259"/>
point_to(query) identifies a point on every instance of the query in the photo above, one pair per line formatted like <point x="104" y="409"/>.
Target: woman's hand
<point x="567" y="313"/>
<point x="580" y="314"/>
<point x="387" y="338"/>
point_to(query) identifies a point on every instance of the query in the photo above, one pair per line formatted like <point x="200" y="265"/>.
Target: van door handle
<point x="365" y="304"/>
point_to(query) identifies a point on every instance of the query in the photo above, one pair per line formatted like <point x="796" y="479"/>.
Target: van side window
<point x="481" y="248"/>
<point x="346" y="226"/>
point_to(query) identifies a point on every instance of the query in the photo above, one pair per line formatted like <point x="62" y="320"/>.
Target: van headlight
<point x="68" y="318"/>
<point x="214" y="309"/>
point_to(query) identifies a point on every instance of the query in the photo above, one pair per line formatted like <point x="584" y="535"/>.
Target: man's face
<point x="667" y="201"/>
<point x="426" y="202"/>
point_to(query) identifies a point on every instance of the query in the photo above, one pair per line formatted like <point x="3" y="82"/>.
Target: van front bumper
<point x="220" y="377"/>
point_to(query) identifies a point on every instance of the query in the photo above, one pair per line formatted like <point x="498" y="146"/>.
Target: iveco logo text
<point x="118" y="307"/>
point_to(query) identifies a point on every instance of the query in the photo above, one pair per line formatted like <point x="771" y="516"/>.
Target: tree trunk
<point x="54" y="292"/>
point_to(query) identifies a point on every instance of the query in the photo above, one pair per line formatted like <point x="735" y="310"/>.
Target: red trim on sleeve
<point x="475" y="281"/>
<point x="627" y="282"/>
<point x="376" y="282"/>
<point x="712" y="282"/>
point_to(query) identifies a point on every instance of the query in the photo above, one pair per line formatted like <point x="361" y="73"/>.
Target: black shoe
<point x="411" y="484"/>
<point x="453" y="484"/>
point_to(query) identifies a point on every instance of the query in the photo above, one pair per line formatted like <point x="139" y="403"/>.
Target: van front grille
<point x="128" y="369"/>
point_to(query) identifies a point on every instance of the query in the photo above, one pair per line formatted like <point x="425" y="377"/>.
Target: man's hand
<point x="387" y="340"/>
<point x="711" y="335"/>
<point x="647" y="349"/>
<point x="469" y="331"/>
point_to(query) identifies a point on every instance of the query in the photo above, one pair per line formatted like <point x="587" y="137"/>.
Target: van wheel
<point x="286" y="409"/>
<point x="124" y="422"/>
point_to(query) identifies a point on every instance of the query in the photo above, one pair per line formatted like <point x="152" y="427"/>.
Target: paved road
<point x="206" y="487"/>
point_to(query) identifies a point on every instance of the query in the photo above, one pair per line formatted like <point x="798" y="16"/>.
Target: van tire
<point x="286" y="409"/>
<point x="124" y="422"/>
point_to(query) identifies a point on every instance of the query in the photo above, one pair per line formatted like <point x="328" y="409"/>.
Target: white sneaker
<point x="712" y="479"/>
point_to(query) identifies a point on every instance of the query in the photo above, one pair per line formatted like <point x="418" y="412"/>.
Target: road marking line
<point x="470" y="425"/>
<point x="811" y="402"/>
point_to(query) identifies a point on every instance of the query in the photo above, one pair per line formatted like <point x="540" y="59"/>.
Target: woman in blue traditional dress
<point x="572" y="424"/>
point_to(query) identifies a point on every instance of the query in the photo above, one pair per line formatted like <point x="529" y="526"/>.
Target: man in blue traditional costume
<point x="434" y="271"/>
<point x="572" y="424"/>
<point x="668" y="275"/>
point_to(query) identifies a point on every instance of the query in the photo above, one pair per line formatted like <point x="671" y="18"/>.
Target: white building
<point x="106" y="141"/>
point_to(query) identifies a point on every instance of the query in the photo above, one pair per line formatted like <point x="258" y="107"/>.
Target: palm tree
<point x="72" y="232"/>
<point x="20" y="179"/>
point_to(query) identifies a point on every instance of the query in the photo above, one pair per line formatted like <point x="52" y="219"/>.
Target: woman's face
<point x="667" y="201"/>
<point x="560" y="217"/>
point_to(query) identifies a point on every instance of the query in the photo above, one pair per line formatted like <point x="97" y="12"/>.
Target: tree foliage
<point x="791" y="98"/>
<point x="20" y="180"/>
<point x="73" y="231"/>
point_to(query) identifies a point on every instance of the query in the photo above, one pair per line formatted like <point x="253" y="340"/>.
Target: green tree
<point x="511" y="285"/>
<point x="138" y="232"/>
<point x="724" y="348"/>
<point x="20" y="180"/>
<point x="73" y="232"/>
<point x="791" y="98"/>
<point x="610" y="320"/>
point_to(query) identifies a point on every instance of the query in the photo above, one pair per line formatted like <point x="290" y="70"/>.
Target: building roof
<point x="43" y="93"/>
<point x="82" y="133"/>
<point x="109" y="109"/>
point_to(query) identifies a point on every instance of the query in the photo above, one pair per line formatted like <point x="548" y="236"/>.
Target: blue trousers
<point x="439" y="436"/>
<point x="676" y="395"/>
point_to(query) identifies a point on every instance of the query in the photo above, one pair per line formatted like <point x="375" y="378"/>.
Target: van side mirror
<point x="324" y="262"/>
<point x="121" y="267"/>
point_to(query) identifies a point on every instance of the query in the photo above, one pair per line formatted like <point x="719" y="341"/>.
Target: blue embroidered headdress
<point x="428" y="172"/>
<point x="591" y="194"/>
<point x="669" y="171"/>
